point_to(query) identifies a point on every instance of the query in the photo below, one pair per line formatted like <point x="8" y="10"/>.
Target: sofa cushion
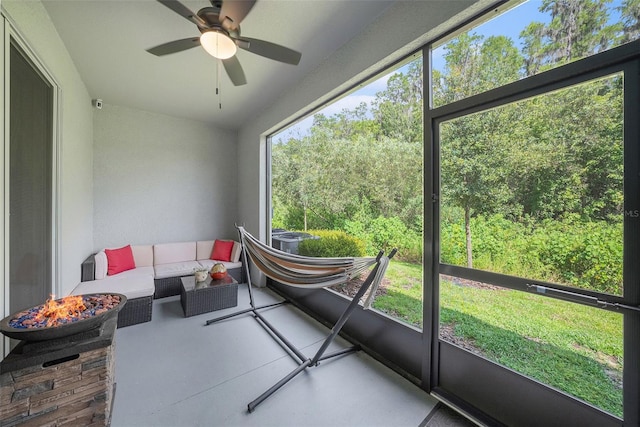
<point x="143" y="255"/>
<point x="101" y="265"/>
<point x="222" y="250"/>
<point x="236" y="251"/>
<point x="168" y="253"/>
<point x="136" y="272"/>
<point x="204" y="248"/>
<point x="119" y="260"/>
<point x="175" y="269"/>
<point x="208" y="263"/>
<point x="131" y="287"/>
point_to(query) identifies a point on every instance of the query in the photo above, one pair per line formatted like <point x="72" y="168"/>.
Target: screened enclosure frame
<point x="626" y="59"/>
<point x="503" y="395"/>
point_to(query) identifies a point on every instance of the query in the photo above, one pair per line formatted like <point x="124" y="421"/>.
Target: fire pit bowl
<point x="93" y="317"/>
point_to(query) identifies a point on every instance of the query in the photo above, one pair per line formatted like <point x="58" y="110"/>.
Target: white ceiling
<point x="107" y="40"/>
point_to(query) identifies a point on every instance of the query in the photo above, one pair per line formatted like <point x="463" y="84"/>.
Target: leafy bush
<point x="502" y="245"/>
<point x="585" y="254"/>
<point x="572" y="251"/>
<point x="410" y="249"/>
<point x="332" y="243"/>
<point x="386" y="234"/>
<point x="452" y="243"/>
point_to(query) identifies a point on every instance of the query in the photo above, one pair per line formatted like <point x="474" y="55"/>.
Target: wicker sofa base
<point x="136" y="310"/>
<point x="167" y="287"/>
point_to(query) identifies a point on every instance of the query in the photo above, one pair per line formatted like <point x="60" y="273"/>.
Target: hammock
<point x="306" y="272"/>
<point x="310" y="272"/>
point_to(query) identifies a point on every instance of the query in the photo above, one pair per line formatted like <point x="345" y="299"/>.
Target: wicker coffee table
<point x="207" y="296"/>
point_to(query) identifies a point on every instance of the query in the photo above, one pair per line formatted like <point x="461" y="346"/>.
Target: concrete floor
<point x="174" y="371"/>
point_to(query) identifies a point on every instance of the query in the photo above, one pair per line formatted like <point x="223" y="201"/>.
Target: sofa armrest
<point x="88" y="269"/>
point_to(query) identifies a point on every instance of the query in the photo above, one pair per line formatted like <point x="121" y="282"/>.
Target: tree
<point x="542" y="158"/>
<point x="363" y="161"/>
<point x="472" y="147"/>
<point x="630" y="17"/>
<point x="474" y="65"/>
<point x="567" y="153"/>
<point x="398" y="108"/>
<point x="578" y="28"/>
<point x="293" y="180"/>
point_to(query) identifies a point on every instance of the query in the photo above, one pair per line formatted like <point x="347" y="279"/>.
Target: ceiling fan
<point x="219" y="26"/>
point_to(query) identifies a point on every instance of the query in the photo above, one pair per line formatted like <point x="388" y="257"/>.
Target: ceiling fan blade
<point x="234" y="71"/>
<point x="175" y="46"/>
<point x="185" y="12"/>
<point x="270" y="50"/>
<point x="234" y="11"/>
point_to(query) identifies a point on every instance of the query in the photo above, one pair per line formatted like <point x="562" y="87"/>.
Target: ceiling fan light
<point x="218" y="44"/>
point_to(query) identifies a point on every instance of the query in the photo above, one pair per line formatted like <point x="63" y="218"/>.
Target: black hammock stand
<point x="306" y="272"/>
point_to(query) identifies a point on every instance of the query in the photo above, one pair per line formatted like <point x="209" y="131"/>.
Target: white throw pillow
<point x="102" y="265"/>
<point x="236" y="251"/>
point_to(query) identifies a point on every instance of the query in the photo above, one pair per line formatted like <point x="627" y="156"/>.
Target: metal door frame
<point x="479" y="386"/>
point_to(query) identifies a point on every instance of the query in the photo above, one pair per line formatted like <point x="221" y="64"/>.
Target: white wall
<point x="76" y="149"/>
<point x="161" y="179"/>
<point x="402" y="29"/>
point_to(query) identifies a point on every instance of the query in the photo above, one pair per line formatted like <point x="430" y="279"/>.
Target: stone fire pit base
<point x="60" y="389"/>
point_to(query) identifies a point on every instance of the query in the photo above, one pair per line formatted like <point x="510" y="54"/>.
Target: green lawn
<point x="574" y="348"/>
<point x="404" y="293"/>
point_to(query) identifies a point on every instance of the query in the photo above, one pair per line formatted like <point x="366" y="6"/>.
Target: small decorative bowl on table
<point x="200" y="275"/>
<point x="218" y="271"/>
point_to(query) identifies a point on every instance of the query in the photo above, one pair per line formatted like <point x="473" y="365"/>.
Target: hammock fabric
<point x="310" y="272"/>
<point x="305" y="272"/>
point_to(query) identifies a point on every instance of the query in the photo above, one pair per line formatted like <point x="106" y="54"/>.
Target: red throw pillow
<point x="222" y="250"/>
<point x="119" y="260"/>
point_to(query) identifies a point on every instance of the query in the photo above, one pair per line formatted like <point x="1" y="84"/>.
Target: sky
<point x="509" y="24"/>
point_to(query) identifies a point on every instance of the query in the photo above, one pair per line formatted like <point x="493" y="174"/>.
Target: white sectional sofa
<point x="157" y="273"/>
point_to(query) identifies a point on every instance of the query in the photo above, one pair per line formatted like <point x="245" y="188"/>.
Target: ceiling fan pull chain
<point x="218" y="91"/>
<point x="218" y="78"/>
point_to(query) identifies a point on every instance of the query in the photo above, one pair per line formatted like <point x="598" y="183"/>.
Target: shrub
<point x="503" y="246"/>
<point x="452" y="244"/>
<point x="585" y="254"/>
<point x="331" y="243"/>
<point x="410" y="249"/>
<point x="385" y="234"/>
